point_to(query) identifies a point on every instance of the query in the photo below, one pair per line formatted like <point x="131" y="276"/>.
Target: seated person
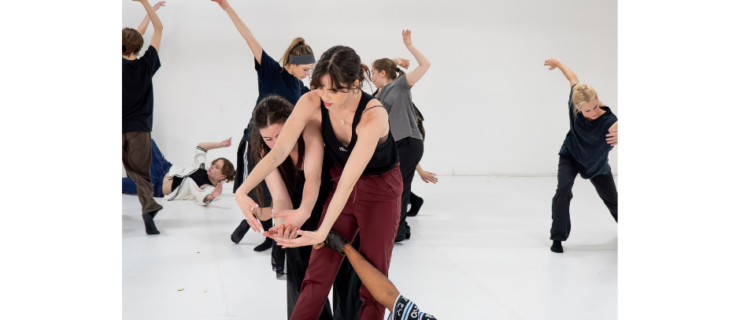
<point x="382" y="289"/>
<point x="175" y="182"/>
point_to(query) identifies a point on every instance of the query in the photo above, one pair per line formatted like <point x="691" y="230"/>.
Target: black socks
<point x="240" y="231"/>
<point x="556" y="246"/>
<point x="416" y="203"/>
<point x="265" y="245"/>
<point x="148" y="217"/>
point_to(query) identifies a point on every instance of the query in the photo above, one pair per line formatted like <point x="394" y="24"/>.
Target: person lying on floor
<point x="382" y="289"/>
<point x="193" y="182"/>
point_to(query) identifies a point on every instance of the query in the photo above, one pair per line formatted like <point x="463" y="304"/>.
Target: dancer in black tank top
<point x="366" y="195"/>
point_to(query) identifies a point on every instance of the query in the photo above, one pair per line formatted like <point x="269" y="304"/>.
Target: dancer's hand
<point x="427" y="177"/>
<point x="283" y="231"/>
<point x="226" y="143"/>
<point x="157" y="5"/>
<point x="293" y="217"/>
<point x="308" y="238"/>
<point x="217" y="192"/>
<point x="552" y="63"/>
<point x="407" y="37"/>
<point x="401" y="62"/>
<point x="224" y="5"/>
<point x="613" y="136"/>
<point x="248" y="207"/>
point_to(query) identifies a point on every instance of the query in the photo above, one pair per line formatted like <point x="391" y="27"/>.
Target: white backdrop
<point x="491" y="107"/>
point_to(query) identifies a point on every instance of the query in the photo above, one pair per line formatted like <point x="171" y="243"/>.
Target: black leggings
<point x="567" y="171"/>
<point x="410" y="151"/>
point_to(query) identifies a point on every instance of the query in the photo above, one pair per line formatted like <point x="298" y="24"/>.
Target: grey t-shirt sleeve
<point x="403" y="83"/>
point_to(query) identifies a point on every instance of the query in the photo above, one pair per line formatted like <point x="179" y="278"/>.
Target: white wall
<point x="491" y="107"/>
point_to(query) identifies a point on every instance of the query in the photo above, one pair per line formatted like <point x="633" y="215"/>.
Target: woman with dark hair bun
<point x="284" y="81"/>
<point x="366" y="193"/>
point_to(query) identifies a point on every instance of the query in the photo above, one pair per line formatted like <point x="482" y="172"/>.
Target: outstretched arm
<point x="379" y="286"/>
<point x="555" y="63"/>
<point x="613" y="136"/>
<point x="145" y="23"/>
<point x="312" y="162"/>
<point x="415" y="75"/>
<point x="215" y="145"/>
<point x="243" y="30"/>
<point x="157" y="36"/>
<point x="288" y="137"/>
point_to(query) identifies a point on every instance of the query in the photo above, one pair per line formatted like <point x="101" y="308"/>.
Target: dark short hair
<point x="343" y="66"/>
<point x="132" y="41"/>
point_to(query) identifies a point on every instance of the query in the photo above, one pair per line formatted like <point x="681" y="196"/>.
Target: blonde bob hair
<point x="582" y="94"/>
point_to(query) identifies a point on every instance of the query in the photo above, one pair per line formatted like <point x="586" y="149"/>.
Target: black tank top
<point x="385" y="156"/>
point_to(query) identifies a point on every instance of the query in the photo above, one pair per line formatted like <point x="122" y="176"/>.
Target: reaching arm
<point x="401" y="62"/>
<point x="243" y="30"/>
<point x="145" y="23"/>
<point x="312" y="161"/>
<point x="215" y="145"/>
<point x="286" y="140"/>
<point x="379" y="286"/>
<point x="555" y="63"/>
<point x="415" y="75"/>
<point x="613" y="136"/>
<point x="157" y="36"/>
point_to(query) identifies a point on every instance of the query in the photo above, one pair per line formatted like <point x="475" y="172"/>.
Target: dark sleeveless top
<point x="385" y="156"/>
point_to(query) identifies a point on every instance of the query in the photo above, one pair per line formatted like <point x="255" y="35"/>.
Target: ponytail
<point x="297" y="48"/>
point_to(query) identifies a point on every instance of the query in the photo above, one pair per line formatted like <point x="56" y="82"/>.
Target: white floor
<point x="479" y="250"/>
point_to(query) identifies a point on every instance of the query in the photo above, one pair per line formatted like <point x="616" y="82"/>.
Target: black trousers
<point x="410" y="151"/>
<point x="568" y="169"/>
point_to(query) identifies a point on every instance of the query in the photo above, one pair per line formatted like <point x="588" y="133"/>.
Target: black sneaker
<point x="556" y="246"/>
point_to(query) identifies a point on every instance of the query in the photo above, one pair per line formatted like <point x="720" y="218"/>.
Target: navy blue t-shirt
<point x="138" y="94"/>
<point x="272" y="79"/>
<point x="586" y="141"/>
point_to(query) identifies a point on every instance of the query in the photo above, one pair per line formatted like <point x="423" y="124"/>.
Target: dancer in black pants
<point x="302" y="176"/>
<point x="593" y="133"/>
<point x="394" y="91"/>
<point x="415" y="201"/>
<point x="285" y="81"/>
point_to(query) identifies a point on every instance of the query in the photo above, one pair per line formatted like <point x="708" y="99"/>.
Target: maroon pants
<point x="373" y="209"/>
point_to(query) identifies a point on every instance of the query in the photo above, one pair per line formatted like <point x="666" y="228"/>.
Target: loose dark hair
<point x="297" y="48"/>
<point x="132" y="41"/>
<point x="273" y="109"/>
<point x="389" y="67"/>
<point x="227" y="169"/>
<point x="343" y="66"/>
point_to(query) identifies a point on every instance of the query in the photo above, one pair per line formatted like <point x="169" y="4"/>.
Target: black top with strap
<point x="385" y="156"/>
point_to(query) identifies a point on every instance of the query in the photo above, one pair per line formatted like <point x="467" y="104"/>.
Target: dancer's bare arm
<point x="243" y="30"/>
<point x="145" y="23"/>
<point x="215" y="145"/>
<point x="302" y="113"/>
<point x="555" y="63"/>
<point x="613" y="136"/>
<point x="157" y="36"/>
<point x="312" y="162"/>
<point x="379" y="286"/>
<point x="426" y="176"/>
<point x="372" y="127"/>
<point x="415" y="75"/>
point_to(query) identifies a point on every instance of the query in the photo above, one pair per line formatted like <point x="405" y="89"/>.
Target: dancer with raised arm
<point x="366" y="194"/>
<point x="273" y="78"/>
<point x="585" y="151"/>
<point x="394" y="91"/>
<point x="138" y="106"/>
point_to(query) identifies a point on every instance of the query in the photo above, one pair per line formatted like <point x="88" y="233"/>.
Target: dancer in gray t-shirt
<point x="394" y="91"/>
